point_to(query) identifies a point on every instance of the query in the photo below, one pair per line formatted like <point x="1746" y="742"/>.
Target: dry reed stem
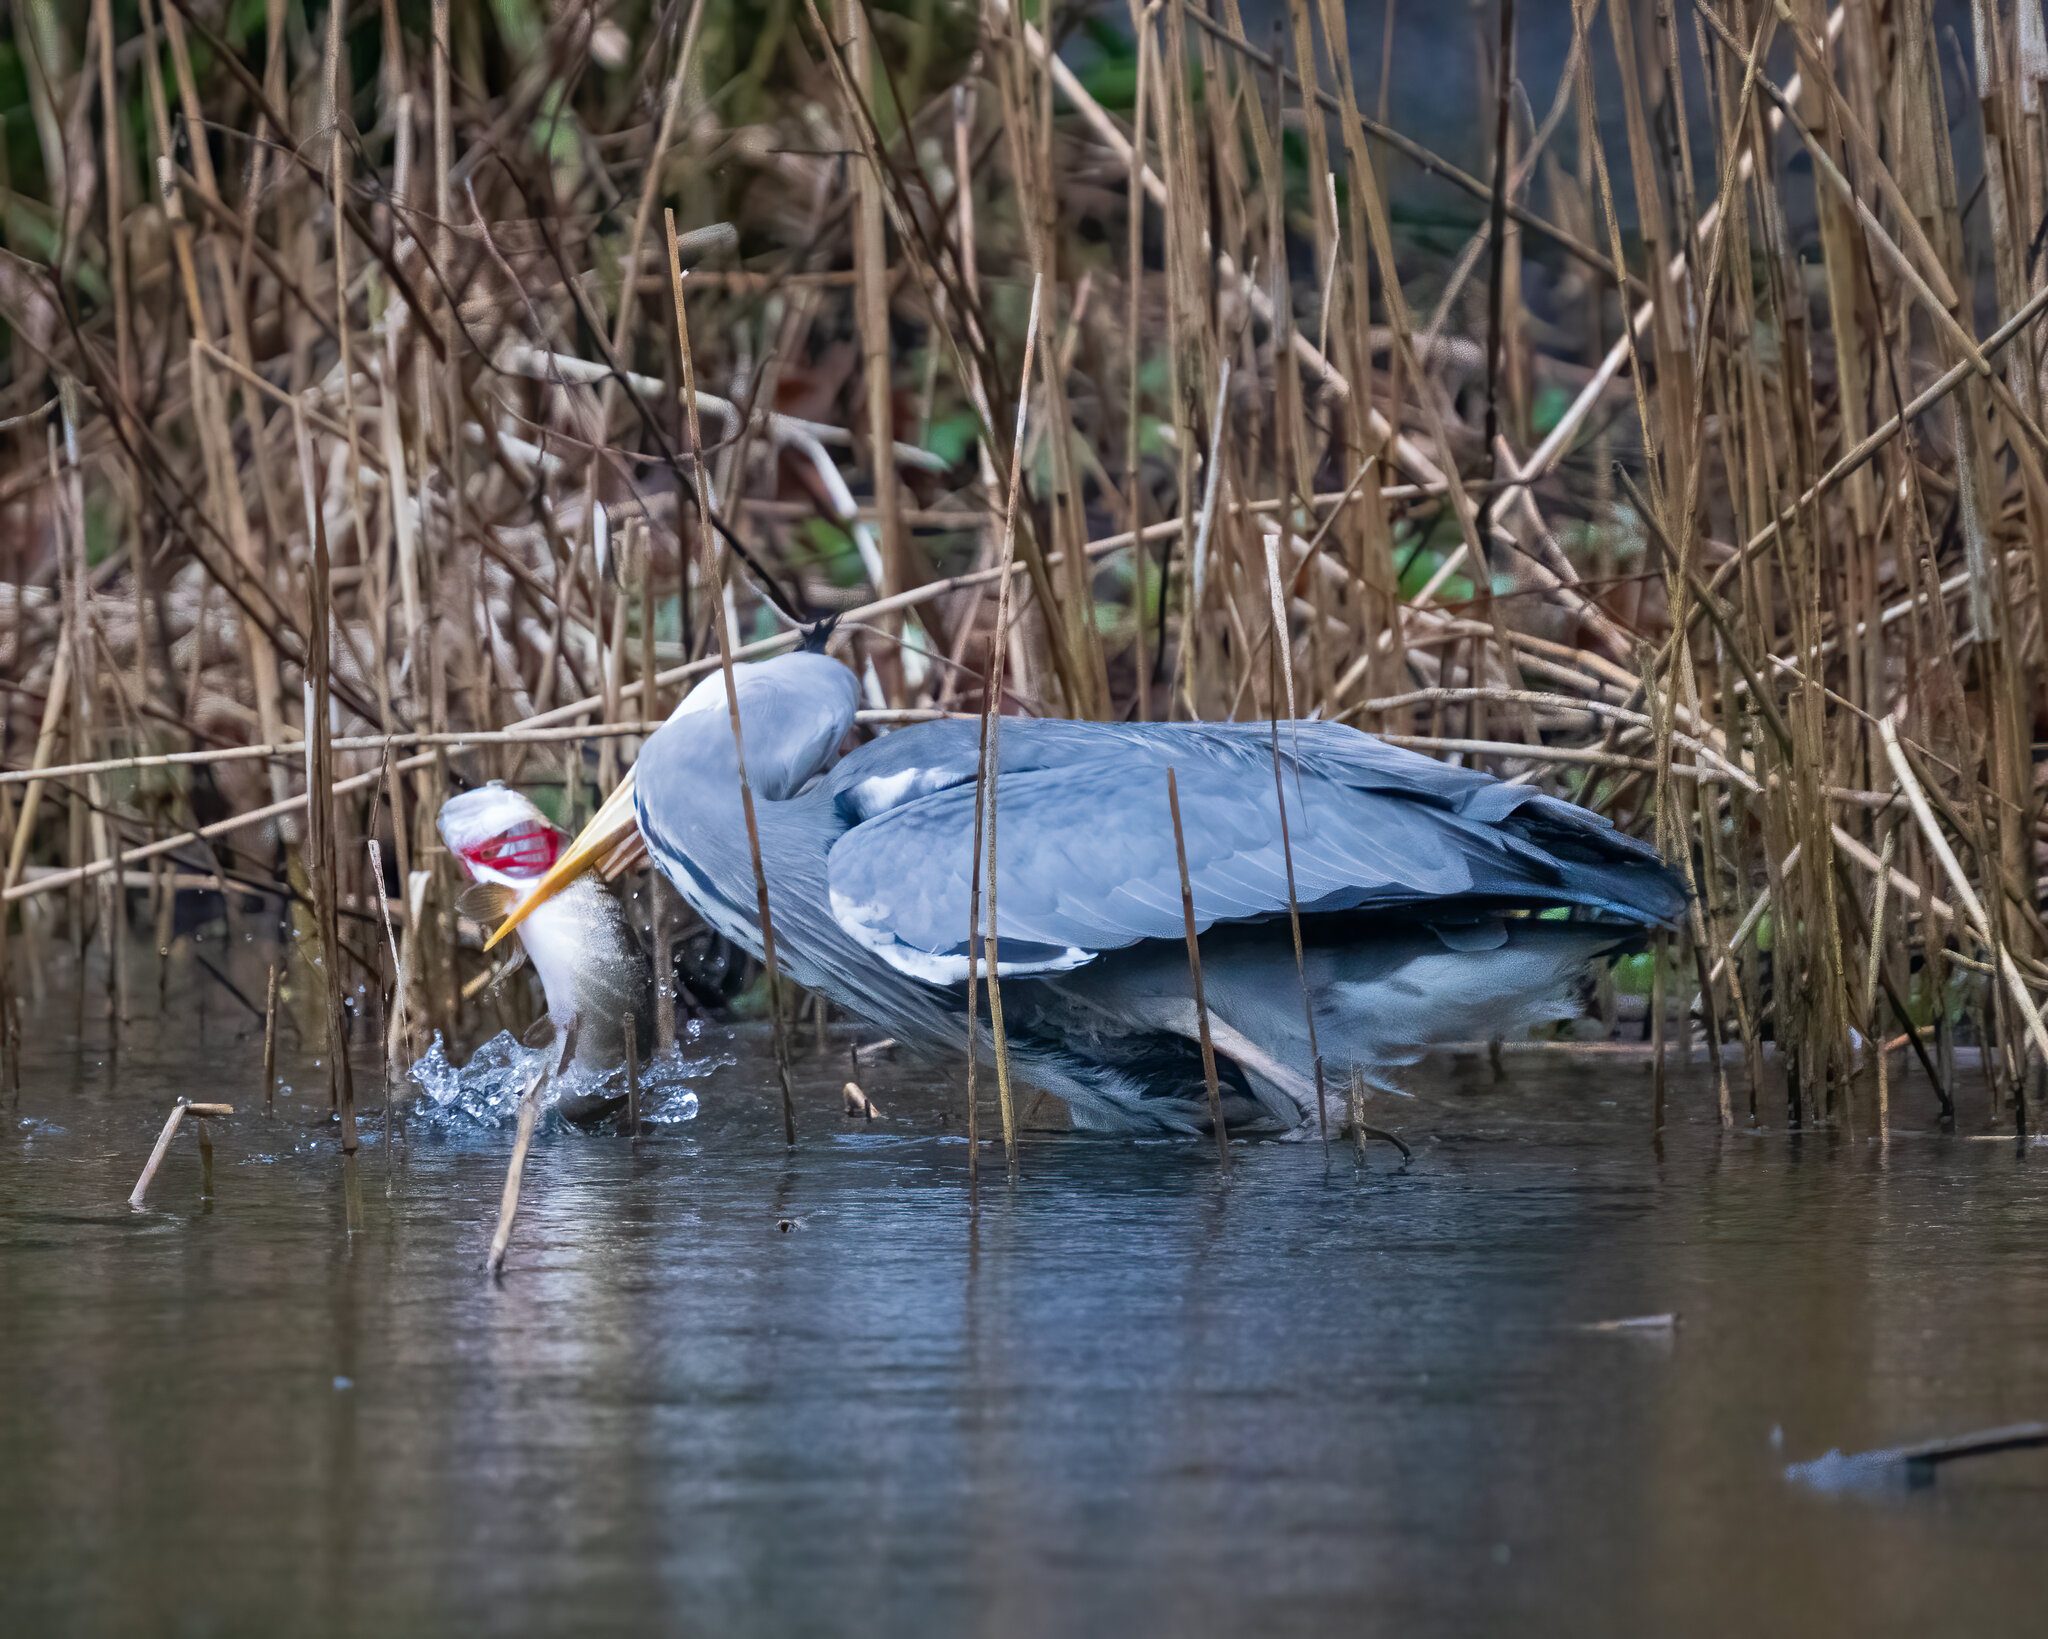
<point x="1880" y="900"/>
<point x="138" y="1195"/>
<point x="323" y="863"/>
<point x="270" y="1040"/>
<point x="398" y="1034"/>
<point x="714" y="576"/>
<point x="1187" y="906"/>
<point x="515" y="1169"/>
<point x="1923" y="816"/>
<point x="982" y="854"/>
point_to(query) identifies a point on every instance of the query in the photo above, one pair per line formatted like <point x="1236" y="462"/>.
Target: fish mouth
<point x="522" y="853"/>
<point x="612" y="822"/>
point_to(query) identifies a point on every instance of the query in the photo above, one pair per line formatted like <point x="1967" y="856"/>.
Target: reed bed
<point x="1699" y="475"/>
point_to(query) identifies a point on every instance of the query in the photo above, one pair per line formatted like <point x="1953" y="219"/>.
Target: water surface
<point x="727" y="1389"/>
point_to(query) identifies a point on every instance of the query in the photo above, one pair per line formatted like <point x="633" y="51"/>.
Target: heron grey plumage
<point x="1419" y="886"/>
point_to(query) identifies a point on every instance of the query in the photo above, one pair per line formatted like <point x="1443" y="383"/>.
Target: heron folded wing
<point x="1087" y="862"/>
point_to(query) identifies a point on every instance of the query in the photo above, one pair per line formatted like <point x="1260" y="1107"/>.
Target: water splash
<point x="485" y="1090"/>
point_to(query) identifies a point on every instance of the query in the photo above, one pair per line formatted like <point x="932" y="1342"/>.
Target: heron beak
<point x="612" y="821"/>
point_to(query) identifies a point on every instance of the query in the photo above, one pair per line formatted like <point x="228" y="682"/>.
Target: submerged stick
<point x="163" y="1144"/>
<point x="1187" y="907"/>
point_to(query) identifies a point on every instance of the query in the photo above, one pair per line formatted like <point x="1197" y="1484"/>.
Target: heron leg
<point x="1293" y="1100"/>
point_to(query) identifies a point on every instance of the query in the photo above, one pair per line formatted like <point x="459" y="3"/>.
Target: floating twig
<point x="1914" y="1466"/>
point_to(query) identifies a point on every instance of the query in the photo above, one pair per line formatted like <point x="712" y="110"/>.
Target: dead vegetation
<point x="1704" y="479"/>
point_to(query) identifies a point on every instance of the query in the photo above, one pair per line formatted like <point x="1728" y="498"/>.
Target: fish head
<point x="500" y="837"/>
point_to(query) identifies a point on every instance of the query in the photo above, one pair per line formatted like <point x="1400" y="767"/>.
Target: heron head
<point x="794" y="711"/>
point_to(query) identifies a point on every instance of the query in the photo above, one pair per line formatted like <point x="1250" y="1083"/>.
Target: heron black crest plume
<point x="819" y="633"/>
<point x="791" y="608"/>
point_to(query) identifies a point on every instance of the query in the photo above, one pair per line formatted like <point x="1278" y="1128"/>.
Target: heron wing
<point x="1085" y="840"/>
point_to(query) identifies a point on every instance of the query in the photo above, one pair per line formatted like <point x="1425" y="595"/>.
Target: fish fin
<point x="512" y="966"/>
<point x="486" y="902"/>
<point x="539" y="1033"/>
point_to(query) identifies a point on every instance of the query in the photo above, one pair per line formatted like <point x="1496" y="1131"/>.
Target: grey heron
<point x="1420" y="888"/>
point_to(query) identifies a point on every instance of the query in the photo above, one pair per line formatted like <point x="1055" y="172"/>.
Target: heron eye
<point x="526" y="852"/>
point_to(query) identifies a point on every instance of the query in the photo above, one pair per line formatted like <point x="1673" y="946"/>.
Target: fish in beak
<point x="596" y="978"/>
<point x="595" y="845"/>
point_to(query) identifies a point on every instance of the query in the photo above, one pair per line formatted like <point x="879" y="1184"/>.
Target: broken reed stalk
<point x="1658" y="1008"/>
<point x="199" y="1112"/>
<point x="982" y="855"/>
<point x="1966" y="895"/>
<point x="398" y="1034"/>
<point x="322" y="863"/>
<point x="1187" y="907"/>
<point x="1873" y="1022"/>
<point x="661" y="935"/>
<point x="270" y="1041"/>
<point x="714" y="581"/>
<point x="515" y="1173"/>
<point x="872" y="301"/>
<point x="522" y="1141"/>
<point x="1308" y="1003"/>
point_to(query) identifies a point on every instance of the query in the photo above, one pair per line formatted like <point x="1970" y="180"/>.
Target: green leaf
<point x="1548" y="410"/>
<point x="952" y="438"/>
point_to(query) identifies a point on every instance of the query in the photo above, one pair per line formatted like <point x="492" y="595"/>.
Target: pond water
<point x="728" y="1388"/>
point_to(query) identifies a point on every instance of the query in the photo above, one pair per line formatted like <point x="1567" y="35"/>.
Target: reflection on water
<point x="727" y="1388"/>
